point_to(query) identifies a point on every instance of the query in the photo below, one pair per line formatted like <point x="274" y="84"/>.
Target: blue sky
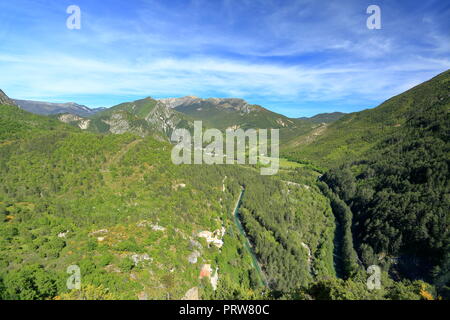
<point x="298" y="58"/>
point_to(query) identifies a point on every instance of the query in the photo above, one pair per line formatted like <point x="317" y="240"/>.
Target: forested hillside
<point x="356" y="134"/>
<point x="398" y="192"/>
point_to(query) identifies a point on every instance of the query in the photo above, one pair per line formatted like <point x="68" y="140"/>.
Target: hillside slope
<point x="398" y="192"/>
<point x="355" y="134"/>
<point x="222" y="113"/>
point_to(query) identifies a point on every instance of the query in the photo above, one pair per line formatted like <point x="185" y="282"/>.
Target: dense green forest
<point x="394" y="198"/>
<point x="399" y="196"/>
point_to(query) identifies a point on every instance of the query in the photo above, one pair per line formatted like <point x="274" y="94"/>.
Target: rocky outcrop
<point x="227" y="103"/>
<point x="119" y="123"/>
<point x="304" y="245"/>
<point x="63" y="234"/>
<point x="163" y="118"/>
<point x="175" y="102"/>
<point x="82" y="123"/>
<point x="194" y="244"/>
<point x="142" y="117"/>
<point x="193" y="257"/>
<point x="214" y="237"/>
<point x="5" y="100"/>
<point x="154" y="227"/>
<point x="139" y="258"/>
<point x="206" y="272"/>
<point x="215" y="279"/>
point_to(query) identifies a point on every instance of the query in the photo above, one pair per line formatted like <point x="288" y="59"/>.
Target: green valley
<point x="101" y="193"/>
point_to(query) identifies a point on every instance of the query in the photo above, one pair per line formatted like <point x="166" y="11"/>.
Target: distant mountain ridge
<point x="47" y="108"/>
<point x="324" y="117"/>
<point x="142" y="117"/>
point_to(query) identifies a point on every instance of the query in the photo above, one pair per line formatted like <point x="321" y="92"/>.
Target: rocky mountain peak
<point x="4" y="99"/>
<point x="227" y="103"/>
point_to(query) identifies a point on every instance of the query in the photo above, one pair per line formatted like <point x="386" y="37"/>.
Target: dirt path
<point x="121" y="153"/>
<point x="115" y="159"/>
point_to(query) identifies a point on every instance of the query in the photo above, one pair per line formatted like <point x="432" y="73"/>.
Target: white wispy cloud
<point x="288" y="54"/>
<point x="57" y="75"/>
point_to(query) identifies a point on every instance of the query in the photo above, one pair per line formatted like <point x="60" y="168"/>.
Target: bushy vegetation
<point x="117" y="207"/>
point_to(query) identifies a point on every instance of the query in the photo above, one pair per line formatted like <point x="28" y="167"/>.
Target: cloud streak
<point x="299" y="58"/>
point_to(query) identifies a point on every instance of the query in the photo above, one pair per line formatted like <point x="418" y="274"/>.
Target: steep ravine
<point x="247" y="243"/>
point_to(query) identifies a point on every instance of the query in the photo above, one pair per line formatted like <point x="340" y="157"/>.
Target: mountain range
<point x="46" y="108"/>
<point x="161" y="116"/>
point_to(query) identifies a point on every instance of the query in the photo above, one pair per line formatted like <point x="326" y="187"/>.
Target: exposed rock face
<point x="68" y="117"/>
<point x="304" y="245"/>
<point x="4" y="99"/>
<point x="138" y="258"/>
<point x="179" y="185"/>
<point x="194" y="244"/>
<point x="213" y="237"/>
<point x="163" y="118"/>
<point x="206" y="272"/>
<point x="156" y="227"/>
<point x="82" y="123"/>
<point x="63" y="234"/>
<point x="227" y="103"/>
<point x="118" y="124"/>
<point x="193" y="257"/>
<point x="175" y="102"/>
<point x="215" y="279"/>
